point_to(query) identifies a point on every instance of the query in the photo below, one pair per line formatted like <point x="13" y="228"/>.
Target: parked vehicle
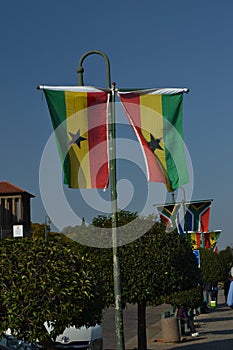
<point x="3" y="347"/>
<point x="83" y="338"/>
<point x="11" y="343"/>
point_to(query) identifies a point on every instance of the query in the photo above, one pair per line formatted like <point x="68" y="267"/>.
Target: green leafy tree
<point x="153" y="267"/>
<point x="226" y="258"/>
<point x="50" y="282"/>
<point x="211" y="266"/>
<point x="40" y="231"/>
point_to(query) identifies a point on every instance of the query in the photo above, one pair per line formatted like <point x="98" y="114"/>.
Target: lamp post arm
<point x="81" y="69"/>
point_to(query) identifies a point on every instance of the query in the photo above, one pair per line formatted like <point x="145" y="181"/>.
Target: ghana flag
<point x="211" y="239"/>
<point x="79" y="119"/>
<point x="156" y="117"/>
<point x="195" y="238"/>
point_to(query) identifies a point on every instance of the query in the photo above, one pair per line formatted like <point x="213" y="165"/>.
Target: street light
<point x="112" y="156"/>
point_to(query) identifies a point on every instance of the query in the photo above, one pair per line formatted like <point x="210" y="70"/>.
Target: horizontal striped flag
<point x="156" y="118"/>
<point x="197" y="215"/>
<point x="79" y="119"/>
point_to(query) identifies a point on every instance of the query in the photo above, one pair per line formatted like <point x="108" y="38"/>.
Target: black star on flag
<point x="76" y="138"/>
<point x="154" y="143"/>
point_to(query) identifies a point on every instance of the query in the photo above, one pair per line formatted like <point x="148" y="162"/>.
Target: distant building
<point x="15" y="210"/>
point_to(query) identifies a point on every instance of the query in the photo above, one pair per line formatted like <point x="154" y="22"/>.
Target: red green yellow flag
<point x="196" y="239"/>
<point x="79" y="118"/>
<point x="211" y="239"/>
<point x="156" y="117"/>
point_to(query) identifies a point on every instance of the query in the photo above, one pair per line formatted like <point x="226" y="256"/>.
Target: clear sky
<point x="150" y="43"/>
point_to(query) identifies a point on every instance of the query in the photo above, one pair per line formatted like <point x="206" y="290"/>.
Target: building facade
<point x="15" y="210"/>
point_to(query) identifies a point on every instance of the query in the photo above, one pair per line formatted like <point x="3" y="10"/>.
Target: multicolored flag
<point x="211" y="239"/>
<point x="197" y="215"/>
<point x="169" y="216"/>
<point x="79" y="118"/>
<point x="195" y="238"/>
<point x="156" y="118"/>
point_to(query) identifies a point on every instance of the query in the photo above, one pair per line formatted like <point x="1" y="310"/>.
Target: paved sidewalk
<point x="215" y="329"/>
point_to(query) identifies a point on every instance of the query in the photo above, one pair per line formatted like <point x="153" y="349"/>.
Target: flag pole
<point x="119" y="329"/>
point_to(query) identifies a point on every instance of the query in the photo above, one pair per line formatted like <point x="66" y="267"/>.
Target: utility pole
<point x="119" y="329"/>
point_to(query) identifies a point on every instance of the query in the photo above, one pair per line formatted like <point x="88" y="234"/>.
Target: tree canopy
<point x="211" y="266"/>
<point x="226" y="258"/>
<point x="50" y="282"/>
<point x="155" y="265"/>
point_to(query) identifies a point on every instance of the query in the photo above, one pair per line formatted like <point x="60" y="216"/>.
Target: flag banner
<point x="195" y="239"/>
<point x="169" y="215"/>
<point x="79" y="119"/>
<point x="156" y="118"/>
<point x="197" y="215"/>
<point x="211" y="239"/>
<point x="198" y="257"/>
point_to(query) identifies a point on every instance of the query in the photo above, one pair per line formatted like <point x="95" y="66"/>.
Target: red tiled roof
<point x="7" y="187"/>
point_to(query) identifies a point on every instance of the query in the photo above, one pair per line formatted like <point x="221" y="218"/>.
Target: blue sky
<point x="150" y="44"/>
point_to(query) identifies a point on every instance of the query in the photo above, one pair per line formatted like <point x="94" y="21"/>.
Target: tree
<point x="40" y="231"/>
<point x="211" y="266"/>
<point x="153" y="267"/>
<point x="50" y="282"/>
<point x="226" y="258"/>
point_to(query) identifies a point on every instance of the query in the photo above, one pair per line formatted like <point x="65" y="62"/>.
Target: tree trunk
<point x="48" y="344"/>
<point x="142" y="339"/>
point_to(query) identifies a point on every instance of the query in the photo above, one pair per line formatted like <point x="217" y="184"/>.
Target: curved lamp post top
<point x="81" y="69"/>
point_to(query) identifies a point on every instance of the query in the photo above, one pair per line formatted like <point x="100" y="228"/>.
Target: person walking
<point x="226" y="287"/>
<point x="214" y="293"/>
<point x="207" y="290"/>
<point x="230" y="296"/>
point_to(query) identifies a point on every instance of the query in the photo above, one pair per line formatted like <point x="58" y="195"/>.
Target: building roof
<point x="8" y="188"/>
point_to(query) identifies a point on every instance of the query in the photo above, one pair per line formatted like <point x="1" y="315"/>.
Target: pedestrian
<point x="230" y="296"/>
<point x="226" y="287"/>
<point x="207" y="290"/>
<point x="214" y="293"/>
<point x="182" y="314"/>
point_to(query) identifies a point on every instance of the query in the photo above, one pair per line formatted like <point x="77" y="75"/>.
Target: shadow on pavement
<point x="226" y="344"/>
<point x="216" y="319"/>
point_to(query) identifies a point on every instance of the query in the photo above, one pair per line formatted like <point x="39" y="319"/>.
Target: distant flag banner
<point x="197" y="255"/>
<point x="195" y="238"/>
<point x="197" y="215"/>
<point x="79" y="119"/>
<point x="169" y="215"/>
<point x="156" y="118"/>
<point x="211" y="239"/>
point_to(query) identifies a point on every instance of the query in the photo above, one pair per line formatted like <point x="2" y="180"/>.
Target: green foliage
<point x="211" y="266"/>
<point x="38" y="232"/>
<point x="154" y="264"/>
<point x="192" y="298"/>
<point x="50" y="282"/>
<point x="99" y="233"/>
<point x="157" y="265"/>
<point x="152" y="267"/>
<point x="226" y="258"/>
<point x="124" y="217"/>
